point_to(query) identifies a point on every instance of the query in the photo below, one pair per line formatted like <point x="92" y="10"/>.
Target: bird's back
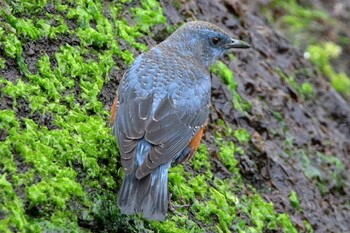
<point x="161" y="73"/>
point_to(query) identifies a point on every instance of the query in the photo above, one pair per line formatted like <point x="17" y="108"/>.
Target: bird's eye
<point x="215" y="40"/>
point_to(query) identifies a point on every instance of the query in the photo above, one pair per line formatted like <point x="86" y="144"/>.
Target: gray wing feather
<point x="164" y="109"/>
<point x="132" y="114"/>
<point x="171" y="138"/>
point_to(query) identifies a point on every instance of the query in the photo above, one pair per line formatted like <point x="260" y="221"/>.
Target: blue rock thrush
<point x="161" y="107"/>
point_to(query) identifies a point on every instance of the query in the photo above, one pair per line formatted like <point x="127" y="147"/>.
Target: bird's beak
<point x="238" y="44"/>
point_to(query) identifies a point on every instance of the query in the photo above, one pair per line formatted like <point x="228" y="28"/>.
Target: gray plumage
<point x="163" y="101"/>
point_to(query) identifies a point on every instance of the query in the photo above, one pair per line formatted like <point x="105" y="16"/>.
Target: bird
<point x="160" y="111"/>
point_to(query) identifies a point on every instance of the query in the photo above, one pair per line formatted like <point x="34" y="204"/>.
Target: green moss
<point x="176" y="4"/>
<point x="308" y="227"/>
<point x="221" y="70"/>
<point x="298" y="17"/>
<point x="241" y="135"/>
<point x="293" y="199"/>
<point x="310" y="170"/>
<point x="297" y="20"/>
<point x="23" y="6"/>
<point x="149" y="14"/>
<point x="12" y="46"/>
<point x="177" y="184"/>
<point x="313" y="165"/>
<point x="321" y="55"/>
<point x="176" y="224"/>
<point x="305" y="90"/>
<point x="2" y="63"/>
<point x="260" y="213"/>
<point x="205" y="202"/>
<point x="226" y="155"/>
<point x="201" y="162"/>
<point x="286" y="225"/>
<point x="12" y="207"/>
<point x="300" y="22"/>
<point x="227" y="149"/>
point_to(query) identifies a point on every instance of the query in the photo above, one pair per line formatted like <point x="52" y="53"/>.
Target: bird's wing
<point x="129" y="125"/>
<point x="168" y="129"/>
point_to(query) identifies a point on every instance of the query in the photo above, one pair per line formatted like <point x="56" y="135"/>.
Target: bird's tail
<point x="149" y="195"/>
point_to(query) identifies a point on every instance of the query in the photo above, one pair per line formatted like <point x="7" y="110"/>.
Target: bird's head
<point x="203" y="41"/>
